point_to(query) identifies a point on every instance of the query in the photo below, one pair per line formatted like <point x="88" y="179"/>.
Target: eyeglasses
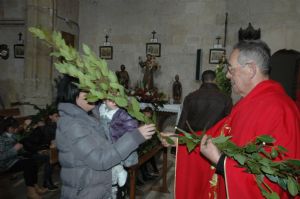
<point x="231" y="69"/>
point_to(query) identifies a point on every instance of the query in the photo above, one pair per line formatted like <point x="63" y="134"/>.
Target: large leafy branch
<point x="222" y="81"/>
<point x="258" y="157"/>
<point x="92" y="72"/>
<point x="94" y="76"/>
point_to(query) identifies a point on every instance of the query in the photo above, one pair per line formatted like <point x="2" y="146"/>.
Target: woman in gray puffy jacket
<point x="85" y="154"/>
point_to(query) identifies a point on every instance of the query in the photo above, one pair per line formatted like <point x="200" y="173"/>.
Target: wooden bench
<point x="14" y="112"/>
<point x="10" y="112"/>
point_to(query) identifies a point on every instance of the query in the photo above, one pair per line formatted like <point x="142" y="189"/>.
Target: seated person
<point x="36" y="145"/>
<point x="10" y="161"/>
<point x="48" y="139"/>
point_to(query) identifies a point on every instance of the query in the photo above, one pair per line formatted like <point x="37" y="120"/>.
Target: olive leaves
<point x="259" y="157"/>
<point x="221" y="80"/>
<point x="92" y="72"/>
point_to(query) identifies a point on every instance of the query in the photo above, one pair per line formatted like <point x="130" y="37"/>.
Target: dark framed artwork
<point x="19" y="50"/>
<point x="106" y="52"/>
<point x="153" y="49"/>
<point x="215" y="55"/>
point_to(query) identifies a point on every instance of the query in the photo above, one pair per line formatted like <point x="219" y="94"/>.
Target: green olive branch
<point x="256" y="160"/>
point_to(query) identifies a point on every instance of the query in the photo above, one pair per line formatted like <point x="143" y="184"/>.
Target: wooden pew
<point x="10" y="112"/>
<point x="14" y="112"/>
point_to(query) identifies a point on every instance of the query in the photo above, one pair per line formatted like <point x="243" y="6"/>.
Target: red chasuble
<point x="265" y="110"/>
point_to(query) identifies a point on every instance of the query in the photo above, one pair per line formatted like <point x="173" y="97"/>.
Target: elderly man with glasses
<point x="264" y="109"/>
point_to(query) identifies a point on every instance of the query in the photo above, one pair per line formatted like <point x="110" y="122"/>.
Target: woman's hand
<point x="171" y="136"/>
<point x="147" y="130"/>
<point x="209" y="150"/>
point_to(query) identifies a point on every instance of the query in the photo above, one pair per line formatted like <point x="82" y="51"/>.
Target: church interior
<point x="184" y="38"/>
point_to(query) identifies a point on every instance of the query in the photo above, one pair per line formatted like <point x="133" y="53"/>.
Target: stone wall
<point x="31" y="79"/>
<point x="12" y="15"/>
<point x="183" y="27"/>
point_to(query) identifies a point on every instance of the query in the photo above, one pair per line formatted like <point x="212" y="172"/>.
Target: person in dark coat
<point x="37" y="145"/>
<point x="205" y="106"/>
<point x="86" y="155"/>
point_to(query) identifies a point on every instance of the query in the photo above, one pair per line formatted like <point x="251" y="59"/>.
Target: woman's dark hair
<point x="67" y="90"/>
<point x="8" y="122"/>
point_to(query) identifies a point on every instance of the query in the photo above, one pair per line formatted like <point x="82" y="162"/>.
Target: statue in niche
<point x="123" y="76"/>
<point x="149" y="66"/>
<point x="177" y="90"/>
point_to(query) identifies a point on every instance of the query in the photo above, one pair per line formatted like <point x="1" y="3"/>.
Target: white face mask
<point x="107" y="112"/>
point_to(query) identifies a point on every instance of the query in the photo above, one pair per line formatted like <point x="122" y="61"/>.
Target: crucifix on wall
<point x="106" y="51"/>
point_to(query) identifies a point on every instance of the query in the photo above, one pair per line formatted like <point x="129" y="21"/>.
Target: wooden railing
<point x="134" y="169"/>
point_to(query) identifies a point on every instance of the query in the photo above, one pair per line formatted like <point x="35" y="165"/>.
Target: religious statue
<point x="177" y="90"/>
<point x="123" y="76"/>
<point x="149" y="66"/>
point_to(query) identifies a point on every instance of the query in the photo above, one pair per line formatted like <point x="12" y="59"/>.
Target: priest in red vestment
<point x="264" y="108"/>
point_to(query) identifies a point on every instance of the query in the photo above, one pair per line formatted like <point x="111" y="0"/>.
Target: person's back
<point x="205" y="106"/>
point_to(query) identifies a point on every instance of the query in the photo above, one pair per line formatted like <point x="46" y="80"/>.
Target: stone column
<point x="38" y="73"/>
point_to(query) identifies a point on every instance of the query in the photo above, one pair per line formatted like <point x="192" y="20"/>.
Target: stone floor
<point x="15" y="188"/>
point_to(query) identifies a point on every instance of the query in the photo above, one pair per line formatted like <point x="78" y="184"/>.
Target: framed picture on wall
<point x="153" y="49"/>
<point x="215" y="55"/>
<point x="19" y="50"/>
<point x="106" y="52"/>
